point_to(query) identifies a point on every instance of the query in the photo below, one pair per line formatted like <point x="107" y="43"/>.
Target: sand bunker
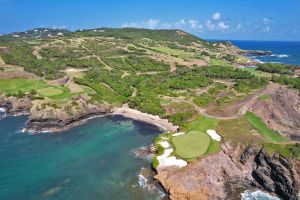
<point x="165" y="144"/>
<point x="166" y="161"/>
<point x="177" y="134"/>
<point x="214" y="135"/>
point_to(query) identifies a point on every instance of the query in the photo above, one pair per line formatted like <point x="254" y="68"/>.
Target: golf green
<point x="191" y="145"/>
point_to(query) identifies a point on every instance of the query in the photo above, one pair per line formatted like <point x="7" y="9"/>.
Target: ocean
<point x="94" y="160"/>
<point x="283" y="52"/>
<point x="91" y="161"/>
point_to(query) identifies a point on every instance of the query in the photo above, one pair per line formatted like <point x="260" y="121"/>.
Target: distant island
<point x="232" y="123"/>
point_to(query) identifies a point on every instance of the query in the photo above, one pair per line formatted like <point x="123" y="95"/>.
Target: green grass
<point x="239" y="130"/>
<point x="177" y="52"/>
<point x="25" y="85"/>
<point x="264" y="97"/>
<point x="217" y="62"/>
<point x="287" y="150"/>
<point x="191" y="145"/>
<point x="50" y="91"/>
<point x="257" y="73"/>
<point x="268" y="133"/>
<point x="13" y="86"/>
<point x="201" y="123"/>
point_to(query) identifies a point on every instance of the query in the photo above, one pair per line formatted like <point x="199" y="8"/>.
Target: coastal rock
<point x="206" y="178"/>
<point x="227" y="174"/>
<point x="256" y="52"/>
<point x="281" y="112"/>
<point x="145" y="152"/>
<point x="48" y="118"/>
<point x="16" y="106"/>
<point x="277" y="174"/>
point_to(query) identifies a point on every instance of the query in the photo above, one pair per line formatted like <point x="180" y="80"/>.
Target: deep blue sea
<point x="283" y="52"/>
<point x="89" y="162"/>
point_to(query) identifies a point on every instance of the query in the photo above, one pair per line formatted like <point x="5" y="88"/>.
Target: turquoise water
<point x="91" y="161"/>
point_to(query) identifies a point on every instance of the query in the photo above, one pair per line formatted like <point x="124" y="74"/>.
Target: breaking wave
<point x="257" y="195"/>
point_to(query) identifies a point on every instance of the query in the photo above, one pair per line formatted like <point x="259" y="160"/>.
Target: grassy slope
<point x="269" y="134"/>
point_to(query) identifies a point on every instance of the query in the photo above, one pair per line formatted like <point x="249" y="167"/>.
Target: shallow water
<point x="91" y="161"/>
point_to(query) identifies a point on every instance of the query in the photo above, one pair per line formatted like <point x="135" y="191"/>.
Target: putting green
<point x="50" y="91"/>
<point x="191" y="145"/>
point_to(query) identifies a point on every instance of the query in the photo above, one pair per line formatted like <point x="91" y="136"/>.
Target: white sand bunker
<point x="165" y="144"/>
<point x="214" y="135"/>
<point x="177" y="134"/>
<point x="166" y="161"/>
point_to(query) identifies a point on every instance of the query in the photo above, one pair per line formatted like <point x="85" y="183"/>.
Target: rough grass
<point x="257" y="73"/>
<point x="268" y="133"/>
<point x="174" y="52"/>
<point x="286" y="150"/>
<point x="191" y="145"/>
<point x="216" y="62"/>
<point x="239" y="130"/>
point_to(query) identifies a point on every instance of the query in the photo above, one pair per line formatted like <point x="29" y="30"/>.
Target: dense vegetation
<point x="277" y="68"/>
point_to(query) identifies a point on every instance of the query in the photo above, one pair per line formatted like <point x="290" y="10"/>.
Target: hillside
<point x="205" y="89"/>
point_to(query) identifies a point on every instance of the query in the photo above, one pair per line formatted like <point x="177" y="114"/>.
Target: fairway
<point x="191" y="145"/>
<point x="14" y="85"/>
<point x="50" y="91"/>
<point x="263" y="129"/>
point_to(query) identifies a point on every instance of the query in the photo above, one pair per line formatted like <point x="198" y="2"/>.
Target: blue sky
<point x="210" y="19"/>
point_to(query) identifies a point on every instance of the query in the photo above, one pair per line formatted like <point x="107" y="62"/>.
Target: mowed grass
<point x="201" y="123"/>
<point x="191" y="145"/>
<point x="25" y="85"/>
<point x="268" y="133"/>
<point x="13" y="86"/>
<point x="50" y="91"/>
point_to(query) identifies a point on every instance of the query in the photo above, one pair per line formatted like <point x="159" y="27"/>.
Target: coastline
<point x="145" y="117"/>
<point x="124" y="111"/>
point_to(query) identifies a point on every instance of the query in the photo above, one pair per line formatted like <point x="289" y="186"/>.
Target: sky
<point x="208" y="19"/>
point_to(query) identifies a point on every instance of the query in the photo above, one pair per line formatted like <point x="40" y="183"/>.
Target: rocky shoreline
<point x="232" y="171"/>
<point x="55" y="120"/>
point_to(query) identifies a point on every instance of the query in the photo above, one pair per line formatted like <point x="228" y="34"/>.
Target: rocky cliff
<point x="228" y="173"/>
<point x="47" y="117"/>
<point x="281" y="112"/>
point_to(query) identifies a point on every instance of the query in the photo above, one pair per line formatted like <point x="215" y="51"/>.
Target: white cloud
<point x="150" y="24"/>
<point x="266" y="29"/>
<point x="209" y="25"/>
<point x="223" y="26"/>
<point x="239" y="26"/>
<point x="266" y="21"/>
<point x="216" y="16"/>
<point x="193" y="24"/>
<point x="153" y="23"/>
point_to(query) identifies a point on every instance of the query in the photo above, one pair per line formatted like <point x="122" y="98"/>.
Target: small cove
<point x="90" y="161"/>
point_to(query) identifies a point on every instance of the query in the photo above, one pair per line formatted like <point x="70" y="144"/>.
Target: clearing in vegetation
<point x="191" y="145"/>
<point x="268" y="133"/>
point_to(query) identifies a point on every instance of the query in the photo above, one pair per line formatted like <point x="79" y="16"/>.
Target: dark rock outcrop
<point x="277" y="174"/>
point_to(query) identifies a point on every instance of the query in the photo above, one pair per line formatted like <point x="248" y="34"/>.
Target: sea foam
<point x="257" y="195"/>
